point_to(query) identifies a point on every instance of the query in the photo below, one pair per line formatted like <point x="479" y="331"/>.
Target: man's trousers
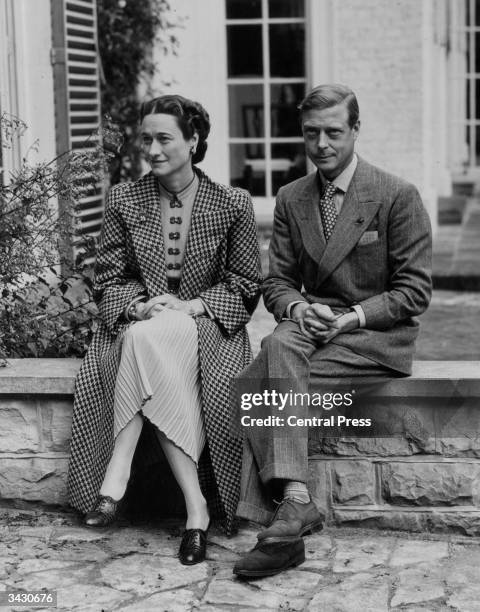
<point x="289" y="361"/>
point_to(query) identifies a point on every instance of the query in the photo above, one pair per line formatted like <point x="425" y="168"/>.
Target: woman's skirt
<point x="159" y="374"/>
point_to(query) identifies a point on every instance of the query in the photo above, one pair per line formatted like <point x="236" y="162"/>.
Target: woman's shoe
<point x="193" y="546"/>
<point x="104" y="512"/>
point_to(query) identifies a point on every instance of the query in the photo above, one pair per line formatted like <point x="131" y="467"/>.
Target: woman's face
<point x="165" y="148"/>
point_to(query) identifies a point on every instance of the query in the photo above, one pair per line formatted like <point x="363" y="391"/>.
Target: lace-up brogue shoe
<point x="292" y="520"/>
<point x="103" y="513"/>
<point x="268" y="559"/>
<point x="193" y="547"/>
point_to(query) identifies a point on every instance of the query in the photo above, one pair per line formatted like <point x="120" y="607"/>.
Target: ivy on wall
<point x="128" y="31"/>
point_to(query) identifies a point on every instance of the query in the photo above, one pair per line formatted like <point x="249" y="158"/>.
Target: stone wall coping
<point x="418" y="458"/>
<point x="57" y="377"/>
<point x="39" y="376"/>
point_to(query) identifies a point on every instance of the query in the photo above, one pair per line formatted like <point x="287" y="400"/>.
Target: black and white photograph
<point x="240" y="305"/>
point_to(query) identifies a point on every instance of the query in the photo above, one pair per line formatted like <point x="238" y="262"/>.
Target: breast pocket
<point x="368" y="237"/>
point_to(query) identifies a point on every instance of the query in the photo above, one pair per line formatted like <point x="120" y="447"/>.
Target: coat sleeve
<point x="115" y="283"/>
<point x="409" y="260"/>
<point x="233" y="299"/>
<point x="283" y="283"/>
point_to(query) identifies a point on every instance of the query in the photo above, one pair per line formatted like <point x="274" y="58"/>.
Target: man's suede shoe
<point x="268" y="559"/>
<point x="292" y="519"/>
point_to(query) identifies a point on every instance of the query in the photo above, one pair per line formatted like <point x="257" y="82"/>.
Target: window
<point x="465" y="86"/>
<point x="266" y="82"/>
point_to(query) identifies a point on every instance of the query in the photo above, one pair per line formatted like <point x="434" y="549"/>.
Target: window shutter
<point x="77" y="91"/>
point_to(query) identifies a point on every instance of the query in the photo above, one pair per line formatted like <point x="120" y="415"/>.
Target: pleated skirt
<point x="159" y="375"/>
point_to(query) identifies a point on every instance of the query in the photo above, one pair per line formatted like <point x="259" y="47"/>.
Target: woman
<point x="176" y="280"/>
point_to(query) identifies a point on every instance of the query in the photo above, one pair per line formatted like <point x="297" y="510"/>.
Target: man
<point x="350" y="260"/>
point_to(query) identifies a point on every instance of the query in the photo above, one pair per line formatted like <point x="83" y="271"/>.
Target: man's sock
<point x="297" y="491"/>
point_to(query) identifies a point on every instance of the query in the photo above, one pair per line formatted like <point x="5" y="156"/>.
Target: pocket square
<point x="368" y="238"/>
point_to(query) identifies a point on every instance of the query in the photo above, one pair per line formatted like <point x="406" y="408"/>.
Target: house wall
<point x="392" y="53"/>
<point x="199" y="71"/>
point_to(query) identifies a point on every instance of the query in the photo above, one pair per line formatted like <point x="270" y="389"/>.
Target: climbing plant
<point x="128" y="32"/>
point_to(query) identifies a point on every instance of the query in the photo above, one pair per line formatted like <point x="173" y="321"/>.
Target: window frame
<point x="266" y="81"/>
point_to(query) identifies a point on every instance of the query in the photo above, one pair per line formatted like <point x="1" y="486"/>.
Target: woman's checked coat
<point x="222" y="267"/>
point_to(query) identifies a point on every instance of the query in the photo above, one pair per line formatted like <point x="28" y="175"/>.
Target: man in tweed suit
<point x="350" y="260"/>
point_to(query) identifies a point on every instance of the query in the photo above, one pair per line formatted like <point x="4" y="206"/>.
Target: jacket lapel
<point x="307" y="214"/>
<point x="357" y="212"/>
<point x="209" y="225"/>
<point x="144" y="218"/>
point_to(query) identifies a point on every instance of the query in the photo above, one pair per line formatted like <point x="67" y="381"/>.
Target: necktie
<point x="328" y="212"/>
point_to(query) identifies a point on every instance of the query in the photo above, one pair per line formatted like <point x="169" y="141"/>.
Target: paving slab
<point x="135" y="568"/>
<point x="171" y="601"/>
<point x="363" y="592"/>
<point x="358" y="555"/>
<point x="146" y="574"/>
<point x="417" y="551"/>
<point x="90" y="598"/>
<point x="420" y="584"/>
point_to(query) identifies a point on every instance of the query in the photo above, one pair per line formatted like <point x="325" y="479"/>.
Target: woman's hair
<point x="191" y="118"/>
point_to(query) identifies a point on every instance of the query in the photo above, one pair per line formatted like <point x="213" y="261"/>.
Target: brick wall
<point x="382" y="50"/>
<point x="379" y="54"/>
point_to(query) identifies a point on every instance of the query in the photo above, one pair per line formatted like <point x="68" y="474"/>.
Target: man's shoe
<point x="103" y="513"/>
<point x="268" y="559"/>
<point x="292" y="520"/>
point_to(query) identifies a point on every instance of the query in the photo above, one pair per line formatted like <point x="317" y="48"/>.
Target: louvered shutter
<point x="77" y="91"/>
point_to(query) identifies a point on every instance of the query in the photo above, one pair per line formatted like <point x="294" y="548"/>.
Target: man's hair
<point x="325" y="96"/>
<point x="190" y="115"/>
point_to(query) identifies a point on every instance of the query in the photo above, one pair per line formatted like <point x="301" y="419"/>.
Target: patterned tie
<point x="328" y="212"/>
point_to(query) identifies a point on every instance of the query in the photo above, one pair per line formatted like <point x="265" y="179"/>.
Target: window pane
<point x="285" y="117"/>
<point x="245" y="57"/>
<point x="287" y="50"/>
<point x="286" y="8"/>
<point x="467" y="52"/>
<point x="477" y="52"/>
<point x="477" y="13"/>
<point x="477" y="145"/>
<point x="246" y="171"/>
<point x="477" y="99"/>
<point x="246" y="111"/>
<point x="288" y="163"/>
<point x="468" y="100"/>
<point x="244" y="9"/>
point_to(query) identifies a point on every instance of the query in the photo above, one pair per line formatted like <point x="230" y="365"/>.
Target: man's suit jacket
<point x="389" y="275"/>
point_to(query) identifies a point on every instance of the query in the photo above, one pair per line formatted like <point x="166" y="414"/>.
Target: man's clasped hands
<point x="319" y="322"/>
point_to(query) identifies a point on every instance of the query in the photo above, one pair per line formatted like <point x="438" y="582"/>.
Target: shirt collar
<point x="343" y="180"/>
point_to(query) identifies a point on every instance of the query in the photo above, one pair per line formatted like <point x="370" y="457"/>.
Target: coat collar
<point x="210" y="216"/>
<point x="359" y="207"/>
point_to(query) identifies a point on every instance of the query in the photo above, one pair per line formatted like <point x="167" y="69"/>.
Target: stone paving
<point x="133" y="568"/>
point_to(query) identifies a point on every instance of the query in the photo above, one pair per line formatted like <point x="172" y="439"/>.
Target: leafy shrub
<point x="44" y="312"/>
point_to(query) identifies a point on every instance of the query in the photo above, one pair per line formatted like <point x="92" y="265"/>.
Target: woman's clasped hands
<point x="154" y="306"/>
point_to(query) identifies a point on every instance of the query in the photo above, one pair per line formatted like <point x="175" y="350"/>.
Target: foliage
<point x="127" y="32"/>
<point x="42" y="312"/>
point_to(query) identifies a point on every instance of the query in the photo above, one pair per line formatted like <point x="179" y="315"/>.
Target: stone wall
<point x="424" y="477"/>
<point x="35" y="425"/>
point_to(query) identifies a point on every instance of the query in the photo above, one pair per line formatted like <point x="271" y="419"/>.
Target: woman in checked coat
<point x="176" y="280"/>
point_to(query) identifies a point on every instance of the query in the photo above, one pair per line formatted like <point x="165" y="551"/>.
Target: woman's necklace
<point x="174" y="194"/>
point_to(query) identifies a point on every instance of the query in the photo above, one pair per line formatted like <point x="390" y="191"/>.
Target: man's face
<point x="329" y="140"/>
